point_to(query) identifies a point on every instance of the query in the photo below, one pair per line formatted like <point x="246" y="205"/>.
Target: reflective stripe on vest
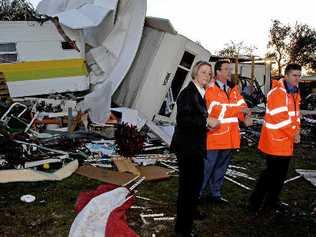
<point x="278" y="125"/>
<point x="214" y="103"/>
<point x="277" y="110"/>
<point x="229" y="120"/>
<point x="223" y="110"/>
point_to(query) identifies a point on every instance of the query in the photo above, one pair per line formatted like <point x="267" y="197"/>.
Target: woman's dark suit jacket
<point x="190" y="132"/>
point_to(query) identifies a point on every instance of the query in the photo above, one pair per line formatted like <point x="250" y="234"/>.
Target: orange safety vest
<point x="227" y="109"/>
<point x="281" y="121"/>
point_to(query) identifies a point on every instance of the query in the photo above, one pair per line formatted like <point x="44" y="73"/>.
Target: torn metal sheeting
<point x="309" y="175"/>
<point x="122" y="43"/>
<point x="160" y="24"/>
<point x="111" y="61"/>
<point x="87" y="15"/>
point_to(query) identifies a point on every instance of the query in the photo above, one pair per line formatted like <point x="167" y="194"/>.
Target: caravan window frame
<point x="161" y="110"/>
<point x="8" y="53"/>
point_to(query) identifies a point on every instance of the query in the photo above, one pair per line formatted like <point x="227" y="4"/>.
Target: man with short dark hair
<point x="226" y="105"/>
<point x="281" y="129"/>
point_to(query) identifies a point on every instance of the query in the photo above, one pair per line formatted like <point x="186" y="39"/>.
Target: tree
<point x="278" y="44"/>
<point x="296" y="45"/>
<point x="302" y="47"/>
<point x="233" y="49"/>
<point x="16" y="10"/>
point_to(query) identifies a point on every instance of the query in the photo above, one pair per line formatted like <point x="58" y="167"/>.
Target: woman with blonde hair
<point x="189" y="144"/>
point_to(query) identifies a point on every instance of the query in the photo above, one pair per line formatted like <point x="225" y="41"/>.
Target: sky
<point x="214" y="23"/>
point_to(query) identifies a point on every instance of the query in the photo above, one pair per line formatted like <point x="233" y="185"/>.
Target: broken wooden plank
<point x="107" y="176"/>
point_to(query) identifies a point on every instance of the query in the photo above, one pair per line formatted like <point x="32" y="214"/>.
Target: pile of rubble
<point x="49" y="134"/>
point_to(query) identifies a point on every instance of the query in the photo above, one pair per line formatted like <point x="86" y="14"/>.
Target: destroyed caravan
<point x="41" y="62"/>
<point x="169" y="58"/>
<point x="36" y="60"/>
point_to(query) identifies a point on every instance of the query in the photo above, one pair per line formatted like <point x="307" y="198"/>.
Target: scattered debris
<point x="68" y="125"/>
<point x="128" y="140"/>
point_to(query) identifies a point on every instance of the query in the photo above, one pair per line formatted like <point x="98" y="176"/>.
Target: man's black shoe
<point x="199" y="216"/>
<point x="204" y="199"/>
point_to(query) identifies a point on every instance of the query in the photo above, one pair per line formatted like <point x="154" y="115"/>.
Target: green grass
<point x="53" y="211"/>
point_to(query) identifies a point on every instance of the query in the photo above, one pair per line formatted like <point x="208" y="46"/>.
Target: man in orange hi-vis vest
<point x="226" y="106"/>
<point x="280" y="130"/>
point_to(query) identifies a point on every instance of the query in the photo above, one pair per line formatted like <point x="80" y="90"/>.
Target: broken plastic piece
<point x="28" y="198"/>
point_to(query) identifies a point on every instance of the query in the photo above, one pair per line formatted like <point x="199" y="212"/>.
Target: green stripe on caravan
<point x="37" y="70"/>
